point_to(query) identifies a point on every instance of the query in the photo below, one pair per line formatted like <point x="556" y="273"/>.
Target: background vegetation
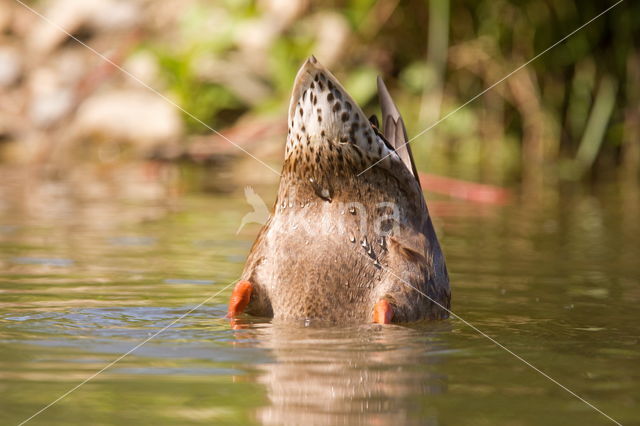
<point x="573" y="113"/>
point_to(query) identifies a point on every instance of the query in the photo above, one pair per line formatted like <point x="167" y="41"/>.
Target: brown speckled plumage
<point x="321" y="257"/>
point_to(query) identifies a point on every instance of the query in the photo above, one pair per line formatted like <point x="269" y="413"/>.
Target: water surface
<point x="555" y="278"/>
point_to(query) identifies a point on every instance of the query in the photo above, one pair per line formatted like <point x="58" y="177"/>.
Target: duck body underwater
<point x="350" y="239"/>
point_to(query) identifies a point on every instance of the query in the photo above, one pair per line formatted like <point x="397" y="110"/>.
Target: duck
<point x="350" y="238"/>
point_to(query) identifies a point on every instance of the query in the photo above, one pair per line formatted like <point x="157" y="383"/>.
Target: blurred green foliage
<point x="537" y="117"/>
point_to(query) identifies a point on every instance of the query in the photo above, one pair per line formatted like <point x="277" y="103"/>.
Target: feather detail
<point x="394" y="130"/>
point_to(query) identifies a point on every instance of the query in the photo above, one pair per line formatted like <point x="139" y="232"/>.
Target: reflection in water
<point x="83" y="279"/>
<point x="356" y="375"/>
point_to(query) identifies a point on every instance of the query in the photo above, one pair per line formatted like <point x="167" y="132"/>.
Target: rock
<point x="139" y="117"/>
<point x="47" y="109"/>
<point x="143" y="66"/>
<point x="49" y="99"/>
<point x="73" y="15"/>
<point x="10" y="66"/>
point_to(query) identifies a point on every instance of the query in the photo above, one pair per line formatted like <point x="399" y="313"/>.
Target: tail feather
<point x="394" y="130"/>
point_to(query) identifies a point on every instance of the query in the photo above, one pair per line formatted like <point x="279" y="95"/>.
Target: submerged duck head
<point x="350" y="238"/>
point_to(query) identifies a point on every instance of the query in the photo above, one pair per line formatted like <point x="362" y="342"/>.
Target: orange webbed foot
<point x="382" y="312"/>
<point x="239" y="298"/>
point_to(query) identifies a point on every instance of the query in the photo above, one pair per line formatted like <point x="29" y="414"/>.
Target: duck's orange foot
<point x="239" y="298"/>
<point x="382" y="312"/>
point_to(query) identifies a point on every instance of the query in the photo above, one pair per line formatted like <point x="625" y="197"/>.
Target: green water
<point x="556" y="279"/>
